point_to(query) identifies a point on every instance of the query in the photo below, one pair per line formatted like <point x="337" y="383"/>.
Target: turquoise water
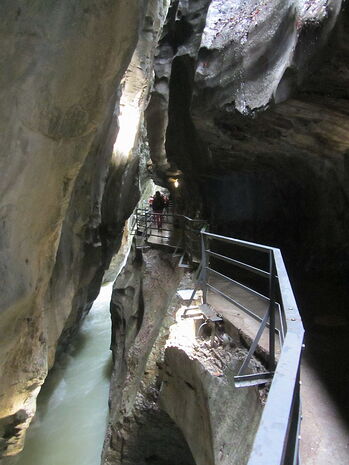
<point x="72" y="410"/>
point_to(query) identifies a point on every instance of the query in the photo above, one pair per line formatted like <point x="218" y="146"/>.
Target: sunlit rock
<point x="249" y="103"/>
<point x="62" y="66"/>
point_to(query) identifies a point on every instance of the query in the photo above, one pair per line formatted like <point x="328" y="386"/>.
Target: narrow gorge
<point x="239" y="111"/>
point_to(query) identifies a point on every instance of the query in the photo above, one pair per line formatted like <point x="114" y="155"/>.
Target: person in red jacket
<point x="158" y="206"/>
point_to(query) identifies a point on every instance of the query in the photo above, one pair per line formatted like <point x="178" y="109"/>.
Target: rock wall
<point x="257" y="118"/>
<point x="198" y="392"/>
<point x="62" y="64"/>
<point x="173" y="398"/>
<point x="230" y="59"/>
<point x="140" y="300"/>
<point x="220" y="111"/>
<point x="257" y="121"/>
<point x="218" y="420"/>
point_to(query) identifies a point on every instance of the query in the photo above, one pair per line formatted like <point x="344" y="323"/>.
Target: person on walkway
<point x="158" y="205"/>
<point x="167" y="203"/>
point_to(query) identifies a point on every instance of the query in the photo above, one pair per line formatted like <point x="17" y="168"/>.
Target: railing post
<point x="293" y="438"/>
<point x="146" y="225"/>
<point x="188" y="242"/>
<point x="182" y="229"/>
<point x="272" y="286"/>
<point x="203" y="270"/>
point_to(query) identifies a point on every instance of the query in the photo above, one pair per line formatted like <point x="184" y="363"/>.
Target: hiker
<point x="158" y="205"/>
<point x="166" y="202"/>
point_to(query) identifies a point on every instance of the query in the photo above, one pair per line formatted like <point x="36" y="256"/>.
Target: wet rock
<point x="141" y="296"/>
<point x="59" y="108"/>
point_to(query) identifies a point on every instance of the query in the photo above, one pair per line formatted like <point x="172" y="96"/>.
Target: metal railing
<point x="177" y="231"/>
<point x="277" y="438"/>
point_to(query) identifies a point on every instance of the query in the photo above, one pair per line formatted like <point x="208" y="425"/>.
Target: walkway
<point x="168" y="235"/>
<point x="325" y="436"/>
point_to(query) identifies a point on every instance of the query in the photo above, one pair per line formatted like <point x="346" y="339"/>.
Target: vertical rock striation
<point x="62" y="64"/>
<point x="141" y="296"/>
<point x="239" y="103"/>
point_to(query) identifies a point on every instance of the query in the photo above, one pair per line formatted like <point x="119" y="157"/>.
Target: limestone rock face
<point x="173" y="384"/>
<point x="62" y="64"/>
<point x="198" y="390"/>
<point x="257" y="97"/>
<point x="140" y="299"/>
<point x="198" y="399"/>
<point x="230" y="59"/>
<point x="257" y="116"/>
<point x="249" y="101"/>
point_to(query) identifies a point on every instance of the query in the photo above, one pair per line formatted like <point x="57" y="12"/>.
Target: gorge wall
<point x="62" y="64"/>
<point x="140" y="301"/>
<point x="249" y="102"/>
<point x="257" y="110"/>
<point x="256" y="100"/>
<point x="173" y="398"/>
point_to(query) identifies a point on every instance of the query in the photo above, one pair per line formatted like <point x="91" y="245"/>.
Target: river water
<point x="72" y="410"/>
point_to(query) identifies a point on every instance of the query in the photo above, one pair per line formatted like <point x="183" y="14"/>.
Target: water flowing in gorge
<point x="238" y="111"/>
<point x="71" y="418"/>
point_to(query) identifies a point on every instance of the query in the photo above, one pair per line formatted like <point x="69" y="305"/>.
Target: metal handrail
<point x="190" y="231"/>
<point x="277" y="438"/>
<point x="238" y="263"/>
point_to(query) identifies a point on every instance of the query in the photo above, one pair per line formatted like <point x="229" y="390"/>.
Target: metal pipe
<point x="242" y="286"/>
<point x="235" y="302"/>
<point x="200" y="327"/>
<point x="204" y="271"/>
<point x="254" y="344"/>
<point x="271" y="312"/>
<point x="253" y="269"/>
<point x="282" y="325"/>
<point x="249" y="245"/>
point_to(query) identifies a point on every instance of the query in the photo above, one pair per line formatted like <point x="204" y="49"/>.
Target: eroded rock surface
<point x="183" y="408"/>
<point x="62" y="65"/>
<point x="140" y="300"/>
<point x="257" y="120"/>
<point x="250" y="100"/>
<point x="217" y="419"/>
<point x="257" y="96"/>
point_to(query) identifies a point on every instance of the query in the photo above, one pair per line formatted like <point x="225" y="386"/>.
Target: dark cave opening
<point x="156" y="440"/>
<point x="301" y="213"/>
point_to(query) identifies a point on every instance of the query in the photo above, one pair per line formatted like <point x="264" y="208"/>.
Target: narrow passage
<point x="71" y="418"/>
